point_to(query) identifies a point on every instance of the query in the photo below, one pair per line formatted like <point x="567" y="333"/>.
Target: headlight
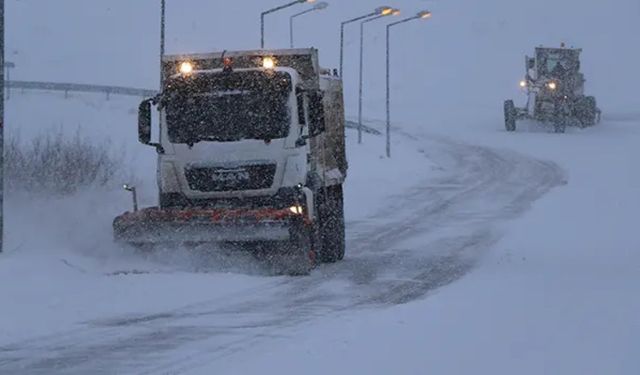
<point x="523" y="83"/>
<point x="297" y="209"/>
<point x="552" y="85"/>
<point x="186" y="68"/>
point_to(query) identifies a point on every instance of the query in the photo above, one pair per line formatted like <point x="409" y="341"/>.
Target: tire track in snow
<point x="426" y="238"/>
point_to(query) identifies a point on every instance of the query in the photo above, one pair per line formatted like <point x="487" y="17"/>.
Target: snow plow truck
<point x="251" y="155"/>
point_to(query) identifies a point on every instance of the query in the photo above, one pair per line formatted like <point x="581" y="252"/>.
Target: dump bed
<point x="329" y="147"/>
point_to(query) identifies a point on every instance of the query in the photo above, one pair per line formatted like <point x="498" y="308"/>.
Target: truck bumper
<point x="157" y="226"/>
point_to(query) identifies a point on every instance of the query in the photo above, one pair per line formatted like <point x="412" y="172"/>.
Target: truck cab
<point x="231" y="133"/>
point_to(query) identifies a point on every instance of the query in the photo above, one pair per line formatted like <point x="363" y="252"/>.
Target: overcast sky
<point x="471" y="53"/>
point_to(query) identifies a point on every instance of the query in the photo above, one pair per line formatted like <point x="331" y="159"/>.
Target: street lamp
<point x="420" y="16"/>
<point x="393" y="12"/>
<point x="163" y="8"/>
<point x="8" y="65"/>
<point x="383" y="10"/>
<point x="320" y="6"/>
<point x="275" y="10"/>
<point x="1" y="126"/>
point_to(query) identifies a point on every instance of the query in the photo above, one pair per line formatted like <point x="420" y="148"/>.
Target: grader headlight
<point x="186" y="68"/>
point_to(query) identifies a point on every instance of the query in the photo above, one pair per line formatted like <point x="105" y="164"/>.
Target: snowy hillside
<point x="472" y="250"/>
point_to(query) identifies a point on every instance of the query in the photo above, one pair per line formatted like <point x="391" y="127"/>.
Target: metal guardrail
<point x="118" y="90"/>
<point x="365" y="128"/>
<point x="79" y="87"/>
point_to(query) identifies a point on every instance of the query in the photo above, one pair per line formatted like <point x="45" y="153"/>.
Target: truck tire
<point x="509" y="115"/>
<point x="562" y="116"/>
<point x="332" y="226"/>
<point x="586" y="111"/>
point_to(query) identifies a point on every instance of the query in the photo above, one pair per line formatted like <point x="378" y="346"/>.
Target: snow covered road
<point x="421" y="238"/>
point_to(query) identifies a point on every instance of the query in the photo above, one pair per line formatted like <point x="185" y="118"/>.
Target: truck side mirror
<point x="144" y="122"/>
<point x="531" y="63"/>
<point x="316" y="113"/>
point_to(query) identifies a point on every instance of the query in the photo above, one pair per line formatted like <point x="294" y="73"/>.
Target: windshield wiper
<point x="192" y="141"/>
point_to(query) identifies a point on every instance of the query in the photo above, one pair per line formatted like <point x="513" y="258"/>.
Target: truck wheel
<point x="586" y="111"/>
<point x="332" y="226"/>
<point x="509" y="115"/>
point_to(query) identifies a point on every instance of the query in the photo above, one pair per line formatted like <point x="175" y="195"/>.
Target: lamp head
<point x="384" y="10"/>
<point x="186" y="68"/>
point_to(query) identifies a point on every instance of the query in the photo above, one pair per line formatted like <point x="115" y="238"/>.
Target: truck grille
<point x="246" y="177"/>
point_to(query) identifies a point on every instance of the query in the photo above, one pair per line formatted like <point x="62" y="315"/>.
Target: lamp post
<point x="275" y="10"/>
<point x="383" y="10"/>
<point x="8" y="65"/>
<point x="320" y="6"/>
<point x="1" y="126"/>
<point x="394" y="12"/>
<point x="163" y="8"/>
<point x="421" y="15"/>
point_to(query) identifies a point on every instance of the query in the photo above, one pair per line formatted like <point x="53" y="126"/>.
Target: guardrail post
<point x="8" y="66"/>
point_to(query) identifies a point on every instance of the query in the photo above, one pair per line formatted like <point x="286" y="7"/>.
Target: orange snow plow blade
<point x="201" y="225"/>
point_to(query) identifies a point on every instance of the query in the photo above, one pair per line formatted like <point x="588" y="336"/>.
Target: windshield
<point x="228" y="106"/>
<point x="558" y="64"/>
